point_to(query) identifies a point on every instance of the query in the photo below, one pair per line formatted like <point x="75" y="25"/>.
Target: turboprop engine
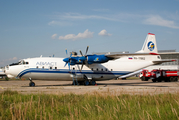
<point x="85" y="59"/>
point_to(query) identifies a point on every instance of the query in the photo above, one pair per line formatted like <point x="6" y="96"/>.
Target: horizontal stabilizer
<point x="162" y="61"/>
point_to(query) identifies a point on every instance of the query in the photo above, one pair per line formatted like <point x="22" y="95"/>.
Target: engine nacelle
<point x="97" y="59"/>
<point x="89" y="58"/>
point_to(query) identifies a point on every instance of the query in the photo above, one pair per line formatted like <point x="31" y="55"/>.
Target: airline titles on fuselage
<point x="46" y="63"/>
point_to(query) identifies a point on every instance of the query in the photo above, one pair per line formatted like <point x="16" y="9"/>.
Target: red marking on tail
<point x="153" y="53"/>
<point x="151" y="34"/>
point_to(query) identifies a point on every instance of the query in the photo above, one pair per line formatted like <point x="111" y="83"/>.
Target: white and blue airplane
<point x="87" y="69"/>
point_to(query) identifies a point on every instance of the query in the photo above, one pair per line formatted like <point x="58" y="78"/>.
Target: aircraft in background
<point x="87" y="69"/>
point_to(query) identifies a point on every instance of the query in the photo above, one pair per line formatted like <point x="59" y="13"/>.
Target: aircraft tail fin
<point x="150" y="45"/>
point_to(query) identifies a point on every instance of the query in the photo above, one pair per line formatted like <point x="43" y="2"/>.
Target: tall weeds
<point x="89" y="106"/>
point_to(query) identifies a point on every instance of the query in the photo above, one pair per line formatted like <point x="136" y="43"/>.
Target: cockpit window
<point x="22" y="62"/>
<point x="14" y="64"/>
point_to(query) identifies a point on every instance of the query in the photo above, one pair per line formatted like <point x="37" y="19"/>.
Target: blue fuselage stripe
<point x="34" y="70"/>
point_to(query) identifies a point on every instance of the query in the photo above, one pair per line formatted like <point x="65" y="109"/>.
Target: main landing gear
<point x="86" y="82"/>
<point x="31" y="84"/>
<point x="91" y="82"/>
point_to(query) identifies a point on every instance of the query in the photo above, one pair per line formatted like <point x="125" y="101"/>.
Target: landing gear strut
<point x="31" y="84"/>
<point x="88" y="82"/>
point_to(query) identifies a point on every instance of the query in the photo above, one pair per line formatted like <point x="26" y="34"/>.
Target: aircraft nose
<point x="6" y="68"/>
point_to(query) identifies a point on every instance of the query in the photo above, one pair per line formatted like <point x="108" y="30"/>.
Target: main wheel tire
<point x="86" y="82"/>
<point x="92" y="82"/>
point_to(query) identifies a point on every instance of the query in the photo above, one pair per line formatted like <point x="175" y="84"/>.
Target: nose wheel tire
<point x="31" y="84"/>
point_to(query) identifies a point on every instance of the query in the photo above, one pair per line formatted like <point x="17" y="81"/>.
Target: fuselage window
<point x="26" y="62"/>
<point x="92" y="69"/>
<point x="97" y="69"/>
<point x="101" y="69"/>
<point x="43" y="67"/>
<point x="55" y="67"/>
<point x="37" y="67"/>
<point x="50" y="67"/>
<point x="106" y="69"/>
<point x="73" y="68"/>
<point x="111" y="69"/>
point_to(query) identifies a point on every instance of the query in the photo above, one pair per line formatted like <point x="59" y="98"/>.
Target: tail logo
<point x="151" y="46"/>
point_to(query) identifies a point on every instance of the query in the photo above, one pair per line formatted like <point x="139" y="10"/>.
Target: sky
<point x="31" y="28"/>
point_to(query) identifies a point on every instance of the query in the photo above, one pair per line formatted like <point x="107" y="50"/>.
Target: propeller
<point x="72" y="60"/>
<point x="84" y="58"/>
<point x="67" y="60"/>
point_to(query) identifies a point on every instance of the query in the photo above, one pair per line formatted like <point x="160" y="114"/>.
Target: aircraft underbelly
<point x="49" y="76"/>
<point x="67" y="76"/>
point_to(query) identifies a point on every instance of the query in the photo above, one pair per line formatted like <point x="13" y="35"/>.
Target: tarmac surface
<point x="111" y="87"/>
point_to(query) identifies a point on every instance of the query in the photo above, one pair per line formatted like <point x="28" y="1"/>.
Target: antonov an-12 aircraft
<point x="87" y="69"/>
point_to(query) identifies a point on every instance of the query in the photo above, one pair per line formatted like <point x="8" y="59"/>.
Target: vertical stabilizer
<point x="150" y="45"/>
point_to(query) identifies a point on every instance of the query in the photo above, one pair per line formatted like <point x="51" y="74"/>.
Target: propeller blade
<point x="65" y="64"/>
<point x="86" y="63"/>
<point x="81" y="67"/>
<point x="69" y="65"/>
<point x="81" y="53"/>
<point x="86" y="50"/>
<point x="66" y="52"/>
<point x="78" y="67"/>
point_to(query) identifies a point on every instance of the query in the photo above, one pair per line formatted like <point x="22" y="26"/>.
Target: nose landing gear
<point x="31" y="84"/>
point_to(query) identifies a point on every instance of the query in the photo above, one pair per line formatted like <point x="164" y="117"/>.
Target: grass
<point x="89" y="106"/>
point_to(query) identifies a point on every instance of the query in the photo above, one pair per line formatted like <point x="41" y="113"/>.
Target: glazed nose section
<point x="2" y="71"/>
<point x="8" y="72"/>
<point x="6" y="68"/>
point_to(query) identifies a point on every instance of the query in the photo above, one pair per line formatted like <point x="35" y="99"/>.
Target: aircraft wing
<point x="116" y="56"/>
